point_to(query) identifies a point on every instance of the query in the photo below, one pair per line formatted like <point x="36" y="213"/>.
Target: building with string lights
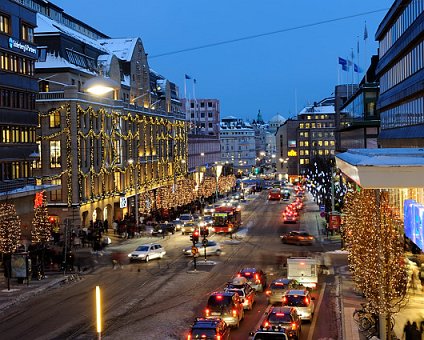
<point x="105" y="151"/>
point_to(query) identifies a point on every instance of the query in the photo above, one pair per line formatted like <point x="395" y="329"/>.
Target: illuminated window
<point x="320" y="152"/>
<point x="301" y="161"/>
<point x="308" y="117"/>
<point x="55" y="154"/>
<point x="301" y="152"/>
<point x="306" y="134"/>
<point x="326" y="143"/>
<point x="320" y="143"/>
<point x="313" y="125"/>
<point x="27" y="32"/>
<point x="301" y="143"/>
<point x="301" y="126"/>
<point x="307" y="125"/>
<point x="54" y="121"/>
<point x="4" y="24"/>
<point x="331" y="142"/>
<point x="306" y="143"/>
<point x="306" y="152"/>
<point x="56" y="195"/>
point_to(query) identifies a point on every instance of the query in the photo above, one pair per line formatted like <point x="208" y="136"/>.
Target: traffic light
<point x="195" y="236"/>
<point x="204" y="232"/>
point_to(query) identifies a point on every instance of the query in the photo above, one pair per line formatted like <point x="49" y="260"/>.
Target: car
<point x="186" y="218"/>
<point x="290" y="217"/>
<point x="209" y="209"/>
<point x="188" y="228"/>
<point x="147" y="252"/>
<point x="178" y="224"/>
<point x="274" y="194"/>
<point x="302" y="300"/>
<point x="278" y="287"/>
<point x="298" y="238"/>
<point x="283" y="318"/>
<point x="227" y="306"/>
<point x="162" y="229"/>
<point x="263" y="334"/>
<point x="212" y="248"/>
<point x="207" y="220"/>
<point x="244" y="290"/>
<point x="214" y="328"/>
<point x="256" y="278"/>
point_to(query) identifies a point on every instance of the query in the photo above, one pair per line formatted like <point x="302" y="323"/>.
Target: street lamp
<point x="100" y="85"/>
<point x="218" y="170"/>
<point x="131" y="163"/>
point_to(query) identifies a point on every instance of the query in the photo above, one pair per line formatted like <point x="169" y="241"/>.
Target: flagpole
<point x="357" y="52"/>
<point x="365" y="49"/>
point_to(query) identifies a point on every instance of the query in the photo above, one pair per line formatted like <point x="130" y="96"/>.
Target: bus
<point x="226" y="219"/>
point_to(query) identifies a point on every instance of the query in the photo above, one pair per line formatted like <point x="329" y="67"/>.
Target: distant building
<point x="287" y="159"/>
<point x="237" y="143"/>
<point x="204" y="147"/>
<point x="401" y="72"/>
<point x="18" y="115"/>
<point x="270" y="141"/>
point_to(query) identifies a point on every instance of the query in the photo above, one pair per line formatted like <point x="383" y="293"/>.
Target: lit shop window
<point x="4" y="24"/>
<point x="55" y="154"/>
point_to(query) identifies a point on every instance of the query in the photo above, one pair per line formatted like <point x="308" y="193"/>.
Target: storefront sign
<point x="334" y="221"/>
<point x="22" y="46"/>
<point x="292" y="153"/>
<point x="123" y="202"/>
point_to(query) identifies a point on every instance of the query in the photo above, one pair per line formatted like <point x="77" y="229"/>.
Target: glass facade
<point x="406" y="114"/>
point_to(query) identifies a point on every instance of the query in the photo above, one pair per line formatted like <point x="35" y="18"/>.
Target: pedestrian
<point x="407" y="330"/>
<point x="415" y="332"/>
<point x="115" y="227"/>
<point x="106" y="225"/>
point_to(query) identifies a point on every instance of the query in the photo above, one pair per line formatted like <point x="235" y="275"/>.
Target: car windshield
<point x="203" y="333"/>
<point x="270" y="336"/>
<point x="296" y="301"/>
<point x="238" y="291"/>
<point x="279" y="318"/>
<point x="216" y="302"/>
<point x="278" y="285"/>
<point x="142" y="248"/>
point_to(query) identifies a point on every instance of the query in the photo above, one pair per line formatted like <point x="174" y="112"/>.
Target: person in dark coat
<point x="407" y="330"/>
<point x="415" y="332"/>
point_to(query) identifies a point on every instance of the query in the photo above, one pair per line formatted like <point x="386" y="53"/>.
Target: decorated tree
<point x="41" y="226"/>
<point x="375" y="242"/>
<point x="10" y="228"/>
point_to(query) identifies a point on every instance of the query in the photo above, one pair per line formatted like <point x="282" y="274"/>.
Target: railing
<point x="50" y="95"/>
<point x="10" y="185"/>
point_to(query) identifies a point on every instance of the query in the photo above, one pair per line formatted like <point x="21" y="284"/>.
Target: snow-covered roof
<point x="123" y="48"/>
<point x="277" y="119"/>
<point x="326" y="109"/>
<point x="384" y="168"/>
<point x="46" y="25"/>
<point x="55" y="61"/>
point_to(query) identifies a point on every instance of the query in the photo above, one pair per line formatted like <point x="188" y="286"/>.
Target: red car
<point x="298" y="238"/>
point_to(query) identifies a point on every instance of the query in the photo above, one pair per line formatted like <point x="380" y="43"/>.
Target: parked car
<point x="212" y="248"/>
<point x="214" y="328"/>
<point x="283" y="318"/>
<point x="278" y="287"/>
<point x="298" y="238"/>
<point x="244" y="290"/>
<point x="147" y="252"/>
<point x="227" y="306"/>
<point x="302" y="301"/>
<point x="256" y="278"/>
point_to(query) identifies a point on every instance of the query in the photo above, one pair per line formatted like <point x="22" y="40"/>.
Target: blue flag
<point x="187" y="76"/>
<point x="343" y="62"/>
<point x="356" y="68"/>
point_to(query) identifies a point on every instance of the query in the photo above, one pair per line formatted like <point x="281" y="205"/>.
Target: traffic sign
<point x="194" y="250"/>
<point x="322" y="214"/>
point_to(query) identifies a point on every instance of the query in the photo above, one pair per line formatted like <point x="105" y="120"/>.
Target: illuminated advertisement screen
<point x="413" y="222"/>
<point x="291" y="143"/>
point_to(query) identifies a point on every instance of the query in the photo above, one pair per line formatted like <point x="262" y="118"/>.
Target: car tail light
<point x="307" y="301"/>
<point x="284" y="299"/>
<point x="234" y="312"/>
<point x="268" y="292"/>
<point x="207" y="312"/>
<point x="279" y="314"/>
<point x="238" y="275"/>
<point x="266" y="324"/>
<point x="293" y="326"/>
<point x="256" y="276"/>
<point x="218" y="337"/>
<point x="219" y="297"/>
<point x="189" y="337"/>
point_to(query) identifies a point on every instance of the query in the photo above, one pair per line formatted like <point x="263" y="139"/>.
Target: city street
<point x="160" y="299"/>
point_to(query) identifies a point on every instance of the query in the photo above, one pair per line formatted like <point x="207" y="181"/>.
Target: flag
<point x="194" y="80"/>
<point x="365" y="31"/>
<point x="357" y="69"/>
<point x="187" y="76"/>
<point x="343" y="62"/>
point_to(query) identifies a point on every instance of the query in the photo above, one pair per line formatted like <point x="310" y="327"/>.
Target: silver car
<point x="212" y="248"/>
<point x="147" y="252"/>
<point x="302" y="301"/>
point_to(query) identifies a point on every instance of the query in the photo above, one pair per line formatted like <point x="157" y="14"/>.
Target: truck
<point x="304" y="270"/>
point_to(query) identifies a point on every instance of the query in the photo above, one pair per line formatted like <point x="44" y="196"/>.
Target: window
<point x="54" y="119"/>
<point x="55" y="154"/>
<point x="209" y="104"/>
<point x="27" y="32"/>
<point x="4" y="23"/>
<point x="210" y="114"/>
<point x="56" y="195"/>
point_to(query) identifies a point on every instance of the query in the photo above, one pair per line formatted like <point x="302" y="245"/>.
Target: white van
<point x="304" y="270"/>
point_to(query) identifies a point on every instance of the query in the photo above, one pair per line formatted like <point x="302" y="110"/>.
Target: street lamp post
<point x="131" y="162"/>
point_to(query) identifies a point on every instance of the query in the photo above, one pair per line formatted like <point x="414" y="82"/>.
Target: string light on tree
<point x="41" y="226"/>
<point x="10" y="228"/>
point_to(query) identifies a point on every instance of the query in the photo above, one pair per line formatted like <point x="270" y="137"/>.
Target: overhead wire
<point x="255" y="36"/>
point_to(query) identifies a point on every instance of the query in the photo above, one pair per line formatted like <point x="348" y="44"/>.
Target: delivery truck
<point x="304" y="270"/>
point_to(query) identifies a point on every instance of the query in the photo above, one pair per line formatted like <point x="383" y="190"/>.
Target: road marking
<point x="316" y="310"/>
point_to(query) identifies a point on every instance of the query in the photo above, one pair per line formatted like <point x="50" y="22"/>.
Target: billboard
<point x="413" y="215"/>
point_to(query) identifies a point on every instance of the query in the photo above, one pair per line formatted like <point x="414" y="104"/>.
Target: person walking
<point x="415" y="332"/>
<point x="407" y="330"/>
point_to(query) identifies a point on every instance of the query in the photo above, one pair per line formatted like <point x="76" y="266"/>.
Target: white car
<point x="147" y="252"/>
<point x="212" y="248"/>
<point x="302" y="301"/>
<point x="186" y="218"/>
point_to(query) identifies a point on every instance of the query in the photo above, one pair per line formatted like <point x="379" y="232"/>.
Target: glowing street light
<point x="100" y="85"/>
<point x="98" y="314"/>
